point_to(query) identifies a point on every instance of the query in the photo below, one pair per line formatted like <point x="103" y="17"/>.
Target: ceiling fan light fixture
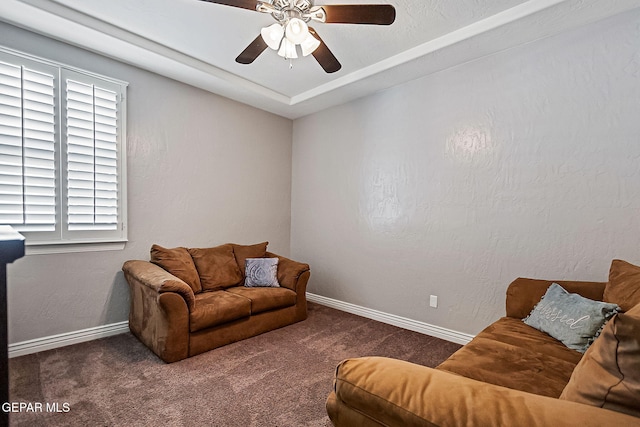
<point x="297" y="31"/>
<point x="309" y="45"/>
<point x="287" y="49"/>
<point x="291" y="28"/>
<point x="272" y="35"/>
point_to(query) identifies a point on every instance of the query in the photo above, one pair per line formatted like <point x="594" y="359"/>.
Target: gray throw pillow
<point x="570" y="318"/>
<point x="261" y="272"/>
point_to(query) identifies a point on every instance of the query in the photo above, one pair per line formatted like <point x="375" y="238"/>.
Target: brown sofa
<point x="510" y="374"/>
<point x="188" y="300"/>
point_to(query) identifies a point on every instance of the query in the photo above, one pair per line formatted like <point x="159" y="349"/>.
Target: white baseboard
<point x="392" y="319"/>
<point x="61" y="340"/>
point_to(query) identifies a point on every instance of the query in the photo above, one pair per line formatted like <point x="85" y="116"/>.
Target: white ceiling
<point x="197" y="42"/>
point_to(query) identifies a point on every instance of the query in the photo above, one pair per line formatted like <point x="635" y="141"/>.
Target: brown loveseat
<point x="187" y="301"/>
<point x="510" y="374"/>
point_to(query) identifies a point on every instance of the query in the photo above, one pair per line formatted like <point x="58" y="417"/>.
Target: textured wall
<point x="524" y="163"/>
<point x="202" y="169"/>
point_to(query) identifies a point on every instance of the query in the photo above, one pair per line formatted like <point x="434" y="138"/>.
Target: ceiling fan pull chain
<point x="290" y="64"/>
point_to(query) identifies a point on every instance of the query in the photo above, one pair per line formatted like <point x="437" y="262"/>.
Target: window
<point x="62" y="152"/>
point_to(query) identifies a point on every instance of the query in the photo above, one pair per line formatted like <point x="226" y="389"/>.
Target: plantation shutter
<point x="92" y="157"/>
<point x="27" y="148"/>
<point x="62" y="154"/>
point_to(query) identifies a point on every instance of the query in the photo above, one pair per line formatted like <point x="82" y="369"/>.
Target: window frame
<point x="63" y="240"/>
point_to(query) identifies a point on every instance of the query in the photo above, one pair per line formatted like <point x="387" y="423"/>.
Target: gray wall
<point x="202" y="170"/>
<point x="524" y="163"/>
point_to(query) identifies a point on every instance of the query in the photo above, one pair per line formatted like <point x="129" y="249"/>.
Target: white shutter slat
<point x="80" y="167"/>
<point x="9" y="218"/>
<point x="10" y="156"/>
<point x="82" y="185"/>
<point x="106" y="138"/>
<point x="80" y="146"/>
<point x="41" y="146"/>
<point x="110" y="121"/>
<point x="40" y="122"/>
<point x="13" y="179"/>
<point x="11" y="131"/>
<point x="10" y="94"/>
<point x="12" y="200"/>
<point x="38" y="135"/>
<point x="101" y="153"/>
<point x="33" y="106"/>
<point x="78" y="87"/>
<point x="10" y="115"/>
<point x="37" y="98"/>
<point x="105" y="113"/>
<point x="107" y="170"/>
<point x="107" y="201"/>
<point x="39" y="164"/>
<point x="39" y="79"/>
<point x="80" y="111"/>
<point x="38" y="183"/>
<point x="9" y="71"/>
<point x="80" y="135"/>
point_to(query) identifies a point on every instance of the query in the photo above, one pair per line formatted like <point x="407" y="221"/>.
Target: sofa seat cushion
<point x="512" y="354"/>
<point x="217" y="307"/>
<point x="265" y="299"/>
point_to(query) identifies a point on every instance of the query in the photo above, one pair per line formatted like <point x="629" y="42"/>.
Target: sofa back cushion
<point x="523" y="294"/>
<point x="623" y="287"/>
<point x="178" y="262"/>
<point x="608" y="376"/>
<point x="242" y="252"/>
<point x="216" y="267"/>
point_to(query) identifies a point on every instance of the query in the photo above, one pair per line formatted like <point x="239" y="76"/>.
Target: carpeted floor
<point x="281" y="378"/>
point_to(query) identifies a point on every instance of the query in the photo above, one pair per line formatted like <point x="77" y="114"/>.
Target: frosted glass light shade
<point x="309" y="45"/>
<point x="297" y="31"/>
<point x="287" y="49"/>
<point x="272" y="35"/>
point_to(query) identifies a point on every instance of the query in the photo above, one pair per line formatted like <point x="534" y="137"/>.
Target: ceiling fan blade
<point x="252" y="51"/>
<point x="324" y="56"/>
<point x="377" y="14"/>
<point x="243" y="4"/>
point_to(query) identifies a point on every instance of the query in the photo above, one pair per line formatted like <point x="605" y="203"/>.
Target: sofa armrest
<point x="158" y="279"/>
<point x="396" y="393"/>
<point x="291" y="274"/>
<point x="523" y="294"/>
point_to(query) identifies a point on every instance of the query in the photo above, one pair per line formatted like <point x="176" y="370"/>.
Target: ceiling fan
<point x="291" y="28"/>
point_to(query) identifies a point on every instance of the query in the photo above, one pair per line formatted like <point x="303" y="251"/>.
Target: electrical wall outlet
<point x="433" y="301"/>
